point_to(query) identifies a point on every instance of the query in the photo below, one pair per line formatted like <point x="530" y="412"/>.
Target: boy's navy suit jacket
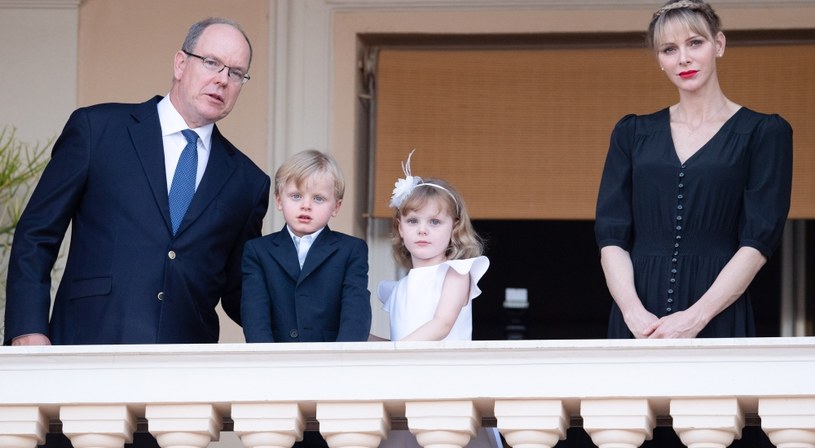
<point x="327" y="301"/>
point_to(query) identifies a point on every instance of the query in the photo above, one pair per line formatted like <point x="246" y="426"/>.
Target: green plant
<point x="20" y="166"/>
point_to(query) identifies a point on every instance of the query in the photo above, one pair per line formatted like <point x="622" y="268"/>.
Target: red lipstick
<point x="688" y="74"/>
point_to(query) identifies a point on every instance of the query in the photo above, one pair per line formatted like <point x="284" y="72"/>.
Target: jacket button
<point x="160" y="295"/>
<point x="171" y="255"/>
<point x="293" y="333"/>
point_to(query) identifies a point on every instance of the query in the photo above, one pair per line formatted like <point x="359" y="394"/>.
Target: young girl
<point x="433" y="237"/>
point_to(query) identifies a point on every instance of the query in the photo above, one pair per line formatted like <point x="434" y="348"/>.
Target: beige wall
<point x="126" y="50"/>
<point x="38" y="77"/>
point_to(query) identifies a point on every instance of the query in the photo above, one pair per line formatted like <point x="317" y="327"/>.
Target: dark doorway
<point x="558" y="263"/>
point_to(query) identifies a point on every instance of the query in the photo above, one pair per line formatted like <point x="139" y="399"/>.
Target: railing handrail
<point x="394" y="372"/>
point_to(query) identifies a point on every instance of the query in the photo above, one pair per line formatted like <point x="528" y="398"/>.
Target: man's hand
<point x="31" y="339"/>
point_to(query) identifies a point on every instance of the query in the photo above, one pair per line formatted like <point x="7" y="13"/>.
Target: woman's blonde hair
<point x="464" y="241"/>
<point x="696" y="15"/>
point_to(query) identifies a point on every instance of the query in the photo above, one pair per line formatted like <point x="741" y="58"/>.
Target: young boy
<point x="306" y="283"/>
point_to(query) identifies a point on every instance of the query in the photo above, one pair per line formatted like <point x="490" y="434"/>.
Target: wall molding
<point x="303" y="42"/>
<point x="40" y="4"/>
<point x="543" y="4"/>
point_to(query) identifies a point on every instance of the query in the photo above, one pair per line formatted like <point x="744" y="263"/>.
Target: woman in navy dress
<point x="694" y="197"/>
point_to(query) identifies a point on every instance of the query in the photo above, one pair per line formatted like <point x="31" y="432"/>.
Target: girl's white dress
<point x="411" y="302"/>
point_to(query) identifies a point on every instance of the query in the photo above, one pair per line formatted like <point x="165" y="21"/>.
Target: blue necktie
<point x="183" y="186"/>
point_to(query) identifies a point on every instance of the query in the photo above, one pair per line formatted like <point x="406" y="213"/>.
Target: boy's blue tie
<point x="183" y="186"/>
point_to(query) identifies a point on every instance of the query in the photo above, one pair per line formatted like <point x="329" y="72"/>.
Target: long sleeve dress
<point x="682" y="222"/>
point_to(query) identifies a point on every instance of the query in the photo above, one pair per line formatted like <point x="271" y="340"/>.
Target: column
<point x="353" y="424"/>
<point x="618" y="423"/>
<point x="442" y="424"/>
<point x="531" y="423"/>
<point x="22" y="426"/>
<point x="707" y="423"/>
<point x="788" y="422"/>
<point x="268" y="424"/>
<point x="183" y="425"/>
<point x="97" y="426"/>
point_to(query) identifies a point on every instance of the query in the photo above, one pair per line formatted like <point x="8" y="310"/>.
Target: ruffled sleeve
<point x="769" y="185"/>
<point x="476" y="267"/>
<point x="384" y="291"/>
<point x="614" y="214"/>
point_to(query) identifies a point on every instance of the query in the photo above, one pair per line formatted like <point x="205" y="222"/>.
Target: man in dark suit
<point x="306" y="283"/>
<point x="160" y="205"/>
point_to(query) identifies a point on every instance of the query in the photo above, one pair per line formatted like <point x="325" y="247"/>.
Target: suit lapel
<point x="149" y="145"/>
<point x="283" y="251"/>
<point x="220" y="167"/>
<point x="323" y="246"/>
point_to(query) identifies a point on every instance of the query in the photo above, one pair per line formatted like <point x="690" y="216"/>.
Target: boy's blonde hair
<point x="464" y="241"/>
<point x="304" y="165"/>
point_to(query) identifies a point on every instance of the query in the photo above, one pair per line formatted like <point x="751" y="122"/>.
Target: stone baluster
<point x="22" y="426"/>
<point x="618" y="423"/>
<point x="108" y="426"/>
<point x="183" y="425"/>
<point x="531" y="423"/>
<point x="353" y="424"/>
<point x="269" y="425"/>
<point x="707" y="423"/>
<point x="442" y="424"/>
<point x="788" y="422"/>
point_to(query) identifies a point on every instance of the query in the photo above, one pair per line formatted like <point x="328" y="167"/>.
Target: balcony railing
<point x="531" y="391"/>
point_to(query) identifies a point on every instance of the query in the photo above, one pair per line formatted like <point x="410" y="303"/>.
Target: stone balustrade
<point x="355" y="393"/>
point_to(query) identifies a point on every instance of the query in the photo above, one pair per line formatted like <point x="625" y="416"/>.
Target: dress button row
<point x="677" y="239"/>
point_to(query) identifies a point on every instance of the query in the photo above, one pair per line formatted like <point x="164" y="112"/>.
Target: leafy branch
<point x="20" y="167"/>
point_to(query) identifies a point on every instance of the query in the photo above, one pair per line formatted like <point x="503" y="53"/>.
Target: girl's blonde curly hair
<point x="464" y="241"/>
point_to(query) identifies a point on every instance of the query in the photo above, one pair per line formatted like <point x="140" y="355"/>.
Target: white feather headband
<point x="403" y="188"/>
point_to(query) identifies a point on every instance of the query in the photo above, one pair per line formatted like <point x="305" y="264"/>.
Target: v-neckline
<point x="704" y="145"/>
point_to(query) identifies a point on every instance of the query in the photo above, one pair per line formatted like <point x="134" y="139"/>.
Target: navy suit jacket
<point x="127" y="279"/>
<point x="327" y="301"/>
